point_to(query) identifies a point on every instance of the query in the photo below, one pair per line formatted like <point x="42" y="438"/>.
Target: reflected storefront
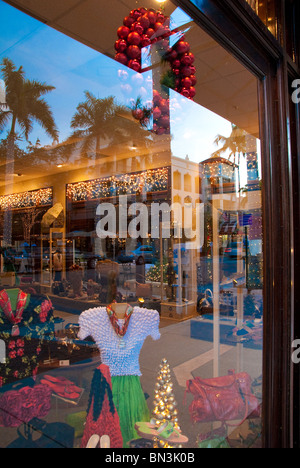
<point x="134" y="266"/>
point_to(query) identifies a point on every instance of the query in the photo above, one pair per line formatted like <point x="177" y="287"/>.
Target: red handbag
<point x="227" y="398"/>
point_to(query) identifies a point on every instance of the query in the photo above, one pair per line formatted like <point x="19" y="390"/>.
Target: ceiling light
<point x="59" y="165"/>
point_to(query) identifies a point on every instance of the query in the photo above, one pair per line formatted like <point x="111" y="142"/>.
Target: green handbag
<point x="214" y="443"/>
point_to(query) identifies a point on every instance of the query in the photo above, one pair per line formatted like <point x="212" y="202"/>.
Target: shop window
<point x="177" y="180"/>
<point x="266" y="10"/>
<point x="99" y="251"/>
<point x="187" y="183"/>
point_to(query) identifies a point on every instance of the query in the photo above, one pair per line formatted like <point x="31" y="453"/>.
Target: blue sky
<point x="50" y="56"/>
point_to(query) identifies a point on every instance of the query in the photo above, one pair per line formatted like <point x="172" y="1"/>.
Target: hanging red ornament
<point x="123" y="32"/>
<point x="135" y="65"/>
<point x="138" y="114"/>
<point x="122" y="58"/>
<point x="134" y="52"/>
<point x="139" y="28"/>
<point x="121" y="45"/>
<point x="128" y="21"/>
<point x="192" y="92"/>
<point x="146" y="41"/>
<point x="164" y="106"/>
<point x="144" y="21"/>
<point x="134" y="38"/>
<point x="152" y="17"/>
<point x="186" y="71"/>
<point x="186" y="82"/>
<point x="145" y="27"/>
<point x="156" y="113"/>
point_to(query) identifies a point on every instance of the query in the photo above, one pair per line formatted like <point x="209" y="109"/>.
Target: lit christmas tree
<point x="165" y="405"/>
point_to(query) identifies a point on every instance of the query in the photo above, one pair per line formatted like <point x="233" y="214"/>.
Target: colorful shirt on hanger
<point x="24" y="331"/>
<point x="120" y="353"/>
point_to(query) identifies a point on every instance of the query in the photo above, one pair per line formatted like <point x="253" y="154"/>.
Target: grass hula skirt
<point x="131" y="405"/>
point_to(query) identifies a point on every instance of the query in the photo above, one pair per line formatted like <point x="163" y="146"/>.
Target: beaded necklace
<point x="119" y="330"/>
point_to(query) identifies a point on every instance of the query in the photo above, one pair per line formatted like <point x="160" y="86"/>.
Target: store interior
<point x="200" y="270"/>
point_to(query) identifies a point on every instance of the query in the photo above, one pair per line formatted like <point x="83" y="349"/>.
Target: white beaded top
<point x="121" y="355"/>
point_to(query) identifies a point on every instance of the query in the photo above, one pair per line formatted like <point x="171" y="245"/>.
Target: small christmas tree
<point x="165" y="405"/>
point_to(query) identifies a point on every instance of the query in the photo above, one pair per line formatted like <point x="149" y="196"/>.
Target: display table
<point x="179" y="312"/>
<point x="202" y="328"/>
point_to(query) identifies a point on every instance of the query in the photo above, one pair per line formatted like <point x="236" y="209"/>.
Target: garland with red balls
<point x="143" y="28"/>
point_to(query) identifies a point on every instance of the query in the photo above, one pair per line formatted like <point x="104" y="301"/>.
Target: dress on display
<point x="120" y="343"/>
<point x="102" y="417"/>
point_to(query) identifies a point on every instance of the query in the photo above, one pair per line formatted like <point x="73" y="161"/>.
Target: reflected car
<point x="124" y="257"/>
<point x="144" y="254"/>
<point x="234" y="250"/>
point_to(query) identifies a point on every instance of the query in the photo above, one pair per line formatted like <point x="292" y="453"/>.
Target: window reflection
<point x="266" y="10"/>
<point x="123" y="180"/>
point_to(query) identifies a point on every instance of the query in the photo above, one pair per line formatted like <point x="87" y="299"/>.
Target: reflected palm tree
<point x="25" y="104"/>
<point x="234" y="145"/>
<point x="99" y="123"/>
<point x="24" y="107"/>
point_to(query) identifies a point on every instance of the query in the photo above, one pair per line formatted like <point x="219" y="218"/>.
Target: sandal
<point x="105" y="441"/>
<point x="93" y="441"/>
<point x="62" y="390"/>
<point x="166" y="432"/>
<point x="63" y="381"/>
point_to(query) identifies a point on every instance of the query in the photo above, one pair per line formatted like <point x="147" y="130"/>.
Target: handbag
<point x="226" y="398"/>
<point x="214" y="439"/>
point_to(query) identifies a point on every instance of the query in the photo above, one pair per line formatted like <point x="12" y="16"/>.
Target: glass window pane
<point x="266" y="10"/>
<point x="131" y="229"/>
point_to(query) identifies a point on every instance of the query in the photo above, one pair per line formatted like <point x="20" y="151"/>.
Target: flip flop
<point x="166" y="432"/>
<point x="93" y="441"/>
<point x="62" y="391"/>
<point x="63" y="381"/>
<point x="105" y="441"/>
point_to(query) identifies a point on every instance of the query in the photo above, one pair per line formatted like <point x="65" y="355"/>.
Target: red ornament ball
<point x="121" y="45"/>
<point x="128" y="21"/>
<point x="135" y="65"/>
<point x="122" y="58"/>
<point x="156" y="113"/>
<point x="152" y="17"/>
<point x="139" y="28"/>
<point x="144" y="21"/>
<point x="138" y="114"/>
<point x="164" y="106"/>
<point x="193" y="80"/>
<point x="192" y="92"/>
<point x="145" y="41"/>
<point x="186" y="82"/>
<point x="134" y="52"/>
<point x="123" y="32"/>
<point x="150" y="32"/>
<point x="182" y="47"/>
<point x="134" y="38"/>
<point x="186" y="71"/>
